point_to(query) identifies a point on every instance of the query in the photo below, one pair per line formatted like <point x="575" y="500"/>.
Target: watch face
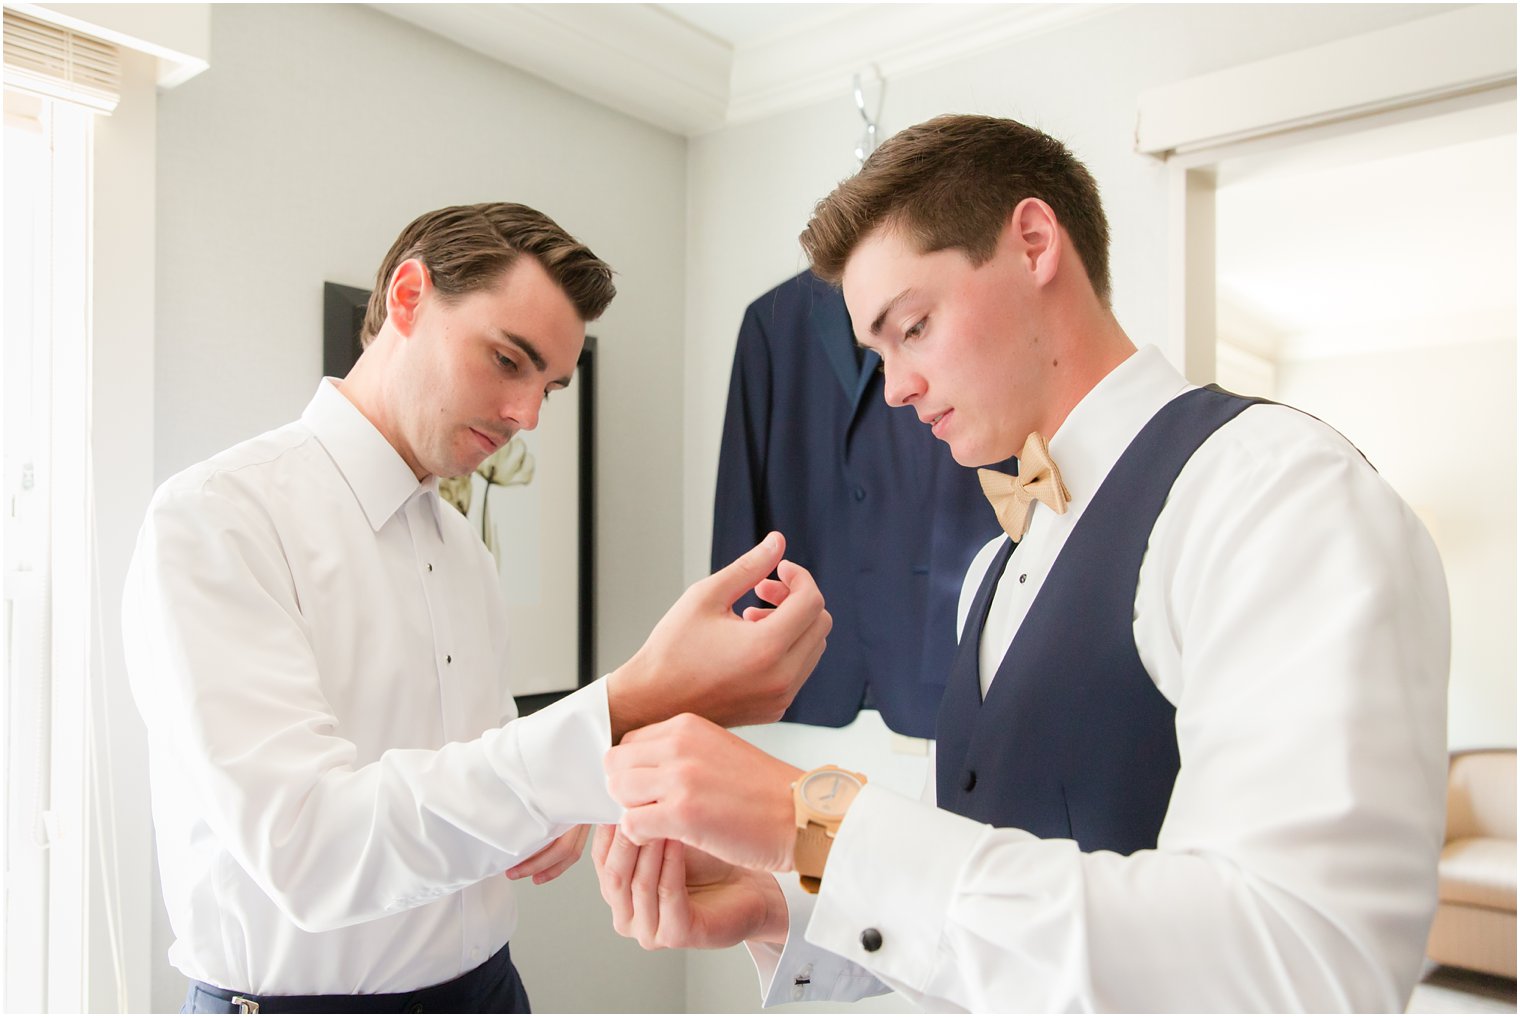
<point x="830" y="792"/>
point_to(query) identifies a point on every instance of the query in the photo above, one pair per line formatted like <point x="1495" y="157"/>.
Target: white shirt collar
<point x="1101" y="426"/>
<point x="375" y="471"/>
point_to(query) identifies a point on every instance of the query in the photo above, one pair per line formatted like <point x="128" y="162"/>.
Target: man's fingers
<point x="647" y="733"/>
<point x="804" y="654"/>
<point x="615" y="874"/>
<point x="644" y="892"/>
<point x="818" y="635"/>
<point x="772" y="591"/>
<point x="601" y="842"/>
<point x="561" y="853"/>
<point x="754" y="614"/>
<point x="741" y="575"/>
<point x="555" y="871"/>
<point x="798" y="610"/>
<point x="634" y="749"/>
<point x="674" y="899"/>
<point x="637" y="776"/>
<point x="638" y="826"/>
<point x="538" y="861"/>
<point x="574" y="845"/>
<point x="618" y="862"/>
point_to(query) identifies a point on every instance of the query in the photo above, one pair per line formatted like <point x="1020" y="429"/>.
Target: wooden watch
<point x="820" y="797"/>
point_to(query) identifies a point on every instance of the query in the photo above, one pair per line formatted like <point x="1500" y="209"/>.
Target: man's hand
<point x="702" y="658"/>
<point x="670" y="896"/>
<point x="554" y="858"/>
<point x="687" y="779"/>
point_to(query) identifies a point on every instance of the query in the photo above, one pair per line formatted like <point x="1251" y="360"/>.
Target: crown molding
<point x="633" y="58"/>
<point x="642" y="61"/>
<point x="810" y="62"/>
<point x="1443" y="57"/>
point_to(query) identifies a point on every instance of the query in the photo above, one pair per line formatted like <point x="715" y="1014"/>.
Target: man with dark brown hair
<point x="1191" y="752"/>
<point x="316" y="645"/>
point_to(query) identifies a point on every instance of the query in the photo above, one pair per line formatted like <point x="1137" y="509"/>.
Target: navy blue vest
<point x="1073" y="740"/>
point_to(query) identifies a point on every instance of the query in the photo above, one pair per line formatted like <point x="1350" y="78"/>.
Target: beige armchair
<point x="1475" y="920"/>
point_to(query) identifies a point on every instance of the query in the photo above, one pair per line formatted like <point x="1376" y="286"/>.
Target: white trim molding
<point x="1441" y="57"/>
<point x="810" y="62"/>
<point x="1444" y="63"/>
<point x="648" y="63"/>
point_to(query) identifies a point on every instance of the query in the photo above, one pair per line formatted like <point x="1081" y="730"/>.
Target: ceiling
<point x="694" y="68"/>
<point x="747" y="24"/>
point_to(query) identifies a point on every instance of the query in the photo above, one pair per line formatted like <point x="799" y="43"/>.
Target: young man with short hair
<point x="315" y="642"/>
<point x="1191" y="754"/>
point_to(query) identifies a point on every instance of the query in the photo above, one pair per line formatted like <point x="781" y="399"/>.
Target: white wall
<point x="121" y="434"/>
<point x="317" y="134"/>
<point x="1439" y="424"/>
<point x="751" y="188"/>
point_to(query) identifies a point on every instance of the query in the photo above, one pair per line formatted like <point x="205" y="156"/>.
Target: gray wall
<point x="317" y="134"/>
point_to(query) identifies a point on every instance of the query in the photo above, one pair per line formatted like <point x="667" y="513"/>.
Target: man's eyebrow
<point x="886" y="310"/>
<point x="531" y="352"/>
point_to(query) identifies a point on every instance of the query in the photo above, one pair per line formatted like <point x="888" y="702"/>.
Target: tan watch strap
<point x="810" y="854"/>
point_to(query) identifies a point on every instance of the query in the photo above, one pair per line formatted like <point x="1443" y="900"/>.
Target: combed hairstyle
<point x="467" y="248"/>
<point x="951" y="183"/>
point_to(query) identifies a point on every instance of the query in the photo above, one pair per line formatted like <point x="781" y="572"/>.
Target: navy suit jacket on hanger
<point x="871" y="503"/>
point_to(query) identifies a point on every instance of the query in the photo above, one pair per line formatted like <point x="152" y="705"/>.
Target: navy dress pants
<point x="494" y="987"/>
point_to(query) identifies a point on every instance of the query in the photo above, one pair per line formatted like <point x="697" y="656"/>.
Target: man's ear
<point x="1037" y="238"/>
<point x="408" y="284"/>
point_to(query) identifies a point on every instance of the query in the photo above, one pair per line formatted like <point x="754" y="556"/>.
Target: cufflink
<point x="870" y="940"/>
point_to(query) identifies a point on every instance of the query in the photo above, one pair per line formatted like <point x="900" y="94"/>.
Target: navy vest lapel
<point x="963" y="688"/>
<point x="1074" y="740"/>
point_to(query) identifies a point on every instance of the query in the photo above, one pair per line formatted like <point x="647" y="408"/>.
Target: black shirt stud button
<point x="871" y="940"/>
<point x="969" y="780"/>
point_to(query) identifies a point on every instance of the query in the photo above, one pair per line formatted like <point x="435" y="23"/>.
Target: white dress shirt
<point x="1294" y="611"/>
<point x="316" y="644"/>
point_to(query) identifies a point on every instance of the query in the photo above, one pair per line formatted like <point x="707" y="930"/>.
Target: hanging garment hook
<point x="868" y="139"/>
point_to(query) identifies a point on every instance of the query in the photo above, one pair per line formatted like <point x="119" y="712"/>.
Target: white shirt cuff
<point x="801" y="972"/>
<point x="894" y="869"/>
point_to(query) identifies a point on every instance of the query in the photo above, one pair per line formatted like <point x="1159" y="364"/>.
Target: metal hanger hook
<point x="868" y="140"/>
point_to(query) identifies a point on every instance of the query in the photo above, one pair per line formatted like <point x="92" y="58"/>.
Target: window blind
<point x="61" y="64"/>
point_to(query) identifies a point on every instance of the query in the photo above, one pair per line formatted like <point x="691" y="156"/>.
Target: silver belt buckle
<point x="245" y="1005"/>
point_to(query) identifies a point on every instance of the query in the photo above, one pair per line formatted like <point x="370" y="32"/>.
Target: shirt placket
<point x="437" y="580"/>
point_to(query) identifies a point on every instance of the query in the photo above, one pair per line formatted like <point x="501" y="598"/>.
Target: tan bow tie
<point x="1013" y="498"/>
